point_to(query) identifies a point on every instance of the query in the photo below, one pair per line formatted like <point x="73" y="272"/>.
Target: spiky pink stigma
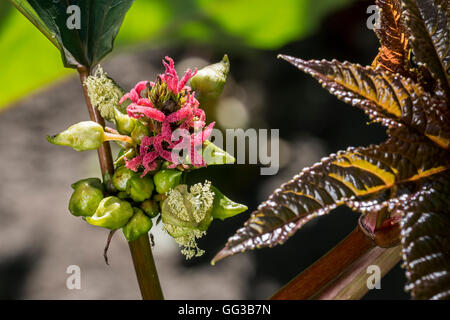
<point x="189" y="117"/>
<point x="170" y="77"/>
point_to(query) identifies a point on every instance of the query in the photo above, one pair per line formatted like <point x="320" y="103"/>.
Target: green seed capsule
<point x="124" y="123"/>
<point x="140" y="189"/>
<point x="139" y="132"/>
<point x="123" y="195"/>
<point x="112" y="213"/>
<point x="150" y="207"/>
<point x="121" y="177"/>
<point x="208" y="83"/>
<point x="166" y="180"/>
<point x="86" y="135"/>
<point x="223" y="207"/>
<point x="213" y="155"/>
<point x="87" y="196"/>
<point x="138" y="225"/>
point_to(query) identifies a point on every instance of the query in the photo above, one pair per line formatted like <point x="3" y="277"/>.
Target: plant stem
<point x="140" y="249"/>
<point x="145" y="269"/>
<point x="352" y="283"/>
<point x="104" y="152"/>
<point x="117" y="137"/>
<point x="326" y="269"/>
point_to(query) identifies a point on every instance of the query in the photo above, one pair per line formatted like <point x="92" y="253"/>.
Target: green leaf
<point x="344" y="177"/>
<point x="223" y="207"/>
<point x="213" y="155"/>
<point x="24" y="7"/>
<point x="32" y="62"/>
<point x="426" y="239"/>
<point x="429" y="34"/>
<point x="100" y="22"/>
<point x="169" y="22"/>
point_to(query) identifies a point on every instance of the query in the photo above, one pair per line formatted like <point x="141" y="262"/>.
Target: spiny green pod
<point x="208" y="83"/>
<point x="213" y="155"/>
<point x="139" y="132"/>
<point x="87" y="196"/>
<point x="187" y="215"/>
<point x="138" y="225"/>
<point x="124" y="123"/>
<point x="121" y="177"/>
<point x="166" y="180"/>
<point x="112" y="213"/>
<point x="223" y="207"/>
<point x="85" y="135"/>
<point x="140" y="189"/>
<point x="150" y="207"/>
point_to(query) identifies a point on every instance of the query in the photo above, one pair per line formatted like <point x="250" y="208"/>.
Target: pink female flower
<point x="188" y="117"/>
<point x="171" y="77"/>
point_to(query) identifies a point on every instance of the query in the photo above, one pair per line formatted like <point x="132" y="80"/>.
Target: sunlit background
<point x="39" y="238"/>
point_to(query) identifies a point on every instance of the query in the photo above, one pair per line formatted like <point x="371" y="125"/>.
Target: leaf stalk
<point x="341" y="273"/>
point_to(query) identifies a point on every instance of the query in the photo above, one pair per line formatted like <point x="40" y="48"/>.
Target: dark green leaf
<point x="100" y="21"/>
<point x="24" y="7"/>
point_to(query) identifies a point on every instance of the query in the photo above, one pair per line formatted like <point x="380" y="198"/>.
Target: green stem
<point x="140" y="249"/>
<point x="145" y="268"/>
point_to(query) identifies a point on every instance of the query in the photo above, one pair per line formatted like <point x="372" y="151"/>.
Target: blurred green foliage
<point x="29" y="61"/>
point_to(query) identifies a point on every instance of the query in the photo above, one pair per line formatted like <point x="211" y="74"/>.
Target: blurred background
<point x="39" y="238"/>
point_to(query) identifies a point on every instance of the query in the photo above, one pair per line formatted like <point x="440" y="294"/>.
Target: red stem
<point x="326" y="269"/>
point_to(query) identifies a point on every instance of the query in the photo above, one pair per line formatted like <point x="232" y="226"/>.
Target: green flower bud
<point x="166" y="180"/>
<point x="112" y="213"/>
<point x="223" y="207"/>
<point x="140" y="189"/>
<point x="139" y="132"/>
<point x="150" y="207"/>
<point x="138" y="225"/>
<point x="208" y="83"/>
<point x="213" y="155"/>
<point x="86" y="197"/>
<point x="121" y="177"/>
<point x="124" y="123"/>
<point x="187" y="215"/>
<point x="86" y="135"/>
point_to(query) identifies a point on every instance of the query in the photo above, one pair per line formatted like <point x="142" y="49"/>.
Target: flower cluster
<point x="165" y="106"/>
<point x="153" y="123"/>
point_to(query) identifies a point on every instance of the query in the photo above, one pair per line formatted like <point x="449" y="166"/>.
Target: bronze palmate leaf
<point x="404" y="181"/>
